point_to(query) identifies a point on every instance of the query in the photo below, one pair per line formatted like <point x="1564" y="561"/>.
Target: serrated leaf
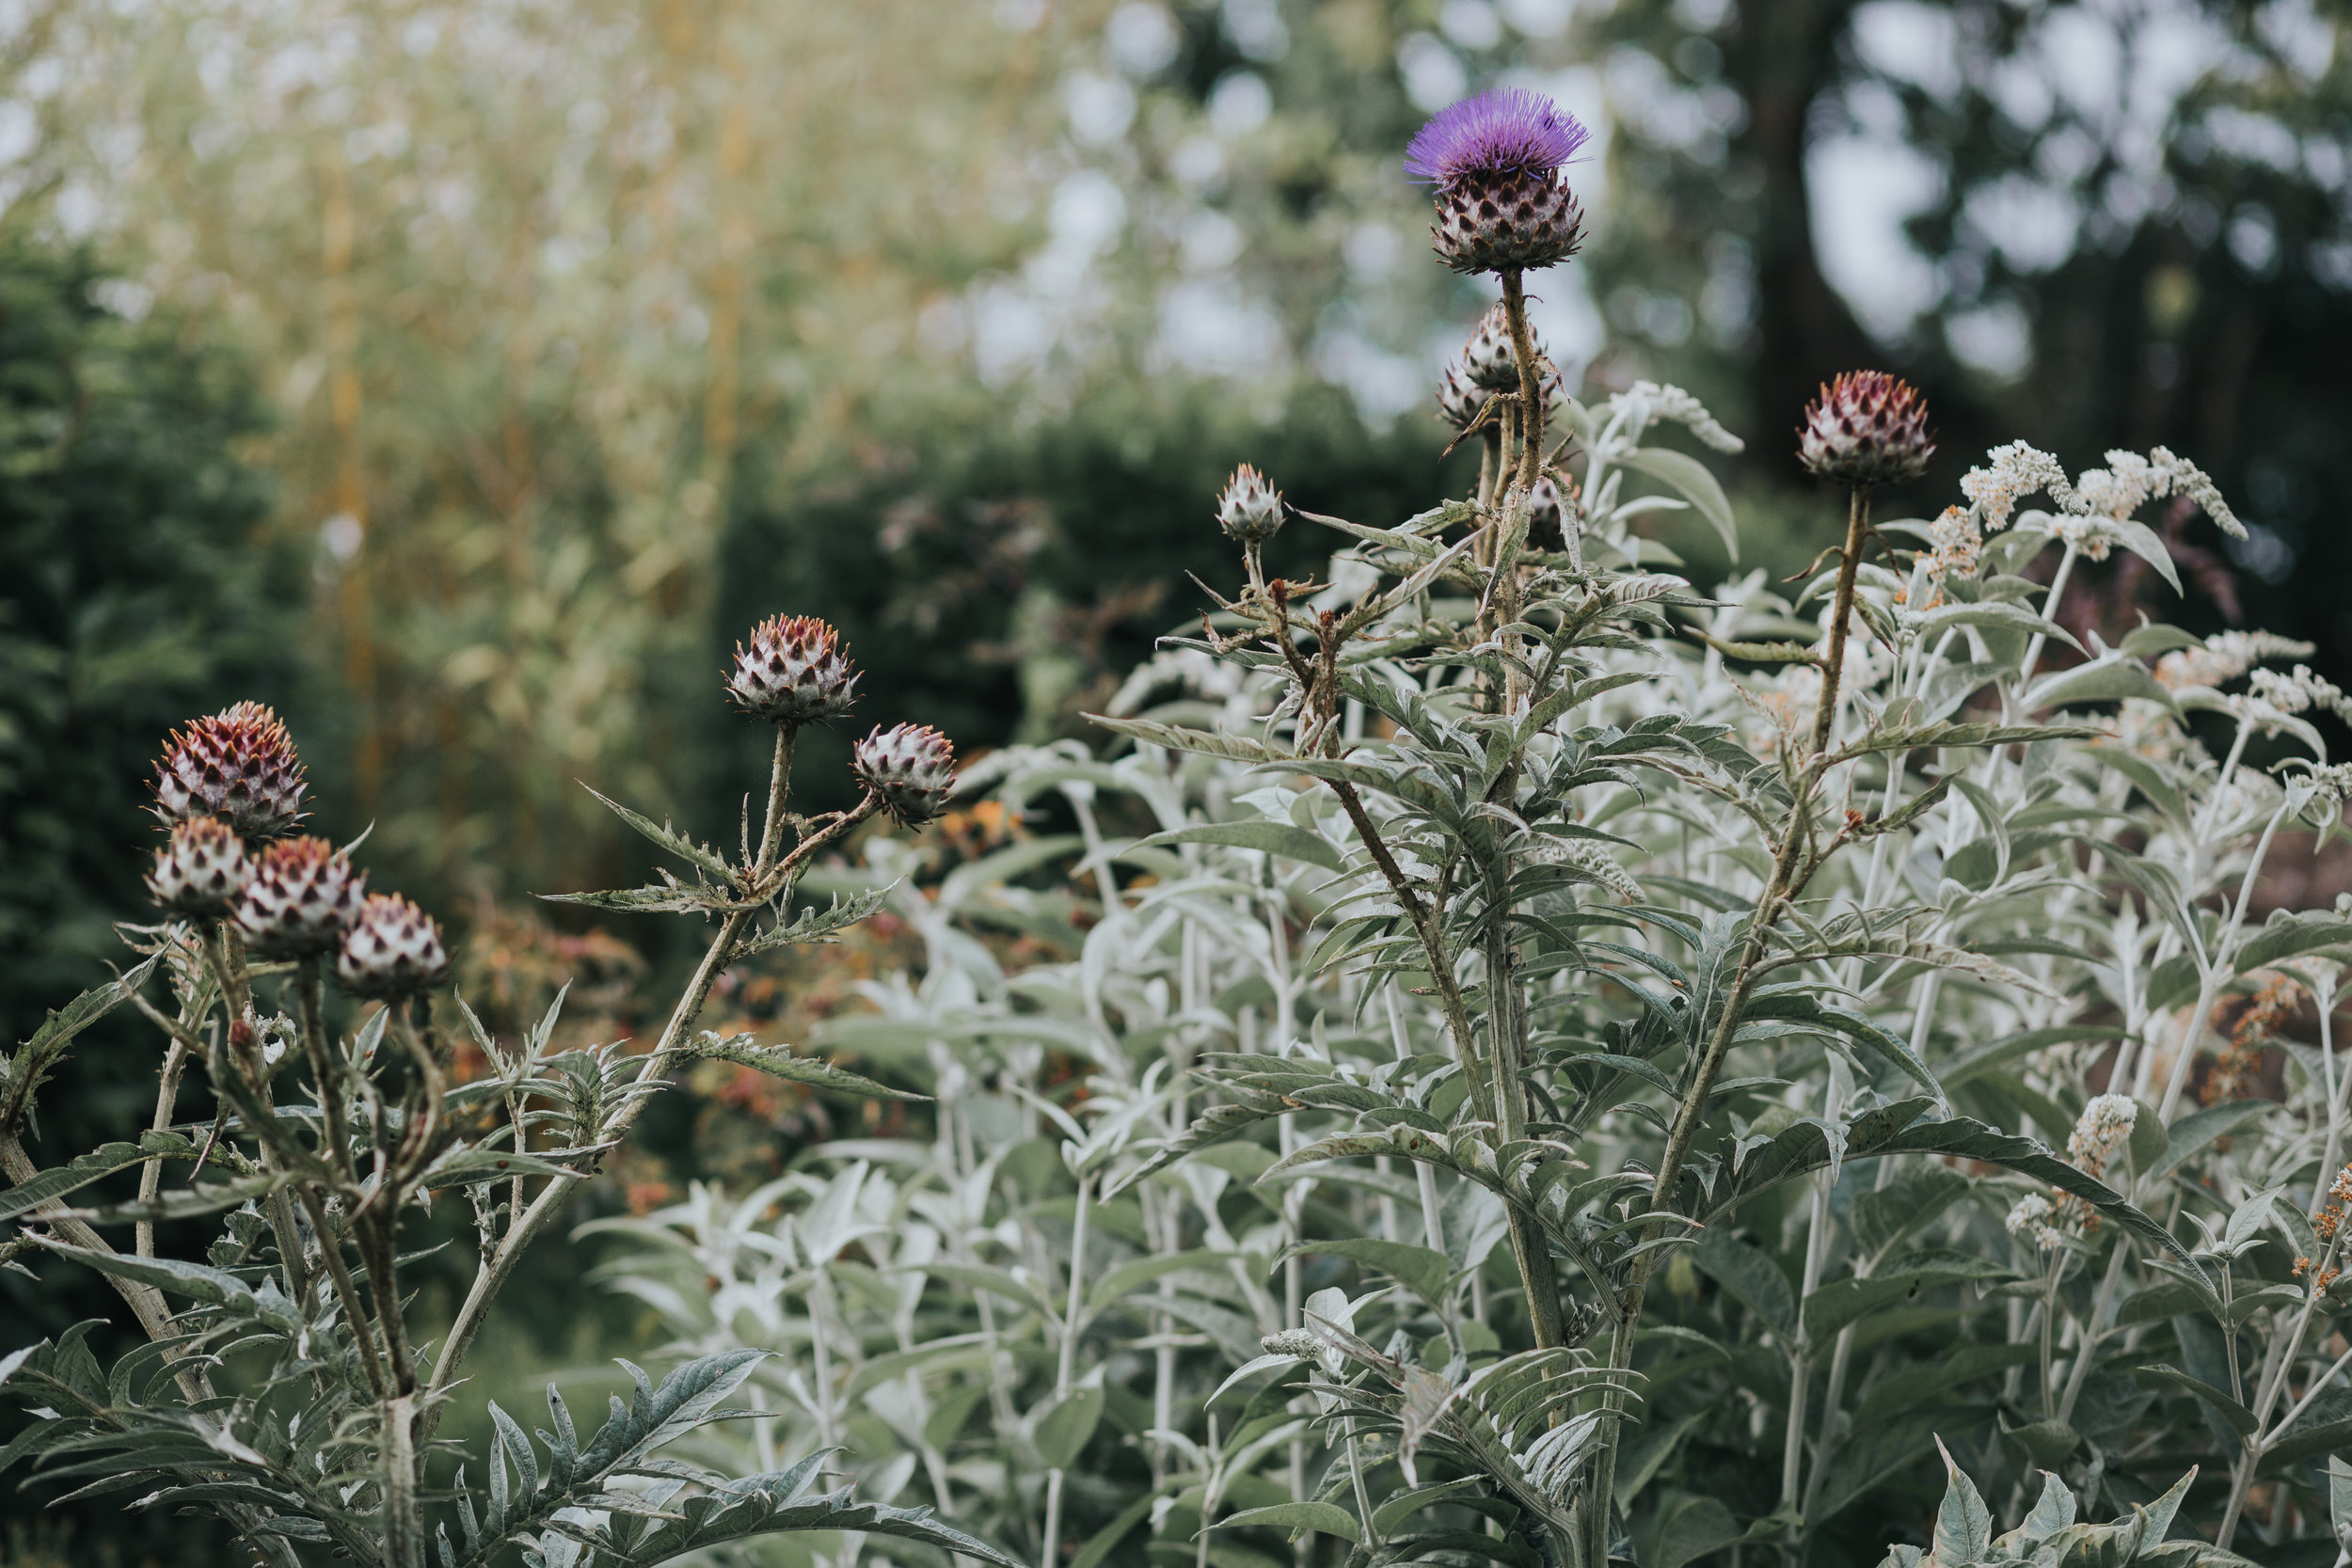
<point x="671" y="839"/>
<point x="1273" y="838"/>
<point x="779" y="1063"/>
<point x="99" y="1164"/>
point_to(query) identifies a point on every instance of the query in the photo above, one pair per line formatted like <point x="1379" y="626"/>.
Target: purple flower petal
<point x="1502" y="130"/>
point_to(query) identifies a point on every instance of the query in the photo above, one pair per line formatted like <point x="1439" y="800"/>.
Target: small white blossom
<point x="2300" y="691"/>
<point x="2030" y="1216"/>
<point x="2225" y="657"/>
<point x="2018" y="470"/>
<point x="2101" y="1133"/>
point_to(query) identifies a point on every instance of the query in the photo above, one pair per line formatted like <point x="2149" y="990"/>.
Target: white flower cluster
<point x="2101" y="1133"/>
<point x="2109" y="494"/>
<point x="1956" y="539"/>
<point x="2300" y="691"/>
<point x="2130" y="481"/>
<point x="2018" y="470"/>
<point x="1672" y="403"/>
<point x="2334" y="781"/>
<point x="2030" y="1216"/>
<point x="2225" y="657"/>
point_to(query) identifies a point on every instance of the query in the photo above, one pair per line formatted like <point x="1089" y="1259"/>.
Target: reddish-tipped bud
<point x="239" y="766"/>
<point x="203" y="871"/>
<point x="912" y="768"/>
<point x="1866" y="428"/>
<point x="1459" y="398"/>
<point x="299" y="901"/>
<point x="793" y="672"/>
<point x="391" y="949"/>
<point x="1250" y="510"/>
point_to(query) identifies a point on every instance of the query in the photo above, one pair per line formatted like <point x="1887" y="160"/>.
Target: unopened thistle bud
<point x="1546" y="520"/>
<point x="911" y="767"/>
<point x="1250" y="510"/>
<point x="299" y="900"/>
<point x="793" y="672"/>
<point x="203" y="871"/>
<point x="238" y="765"/>
<point x="1495" y="163"/>
<point x="1866" y="428"/>
<point x="391" y="949"/>
<point x="1459" y="398"/>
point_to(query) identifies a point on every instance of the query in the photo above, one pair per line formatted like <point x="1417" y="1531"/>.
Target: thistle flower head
<point x="1488" y="356"/>
<point x="911" y="767"/>
<point x="793" y="672"/>
<point x="1502" y="131"/>
<point x="390" y="949"/>
<point x="1459" y="396"/>
<point x="203" y="871"/>
<point x="300" y="898"/>
<point x="239" y="766"/>
<point x="1249" y="510"/>
<point x="1866" y="428"/>
<point x="1495" y="162"/>
<point x="1547" y="519"/>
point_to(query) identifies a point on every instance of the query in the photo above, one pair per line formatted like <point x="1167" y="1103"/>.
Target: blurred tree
<point x="137" y="587"/>
<point x="135" y="592"/>
<point x="2087" y="226"/>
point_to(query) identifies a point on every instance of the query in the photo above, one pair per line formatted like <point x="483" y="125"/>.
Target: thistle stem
<point x="1848" y="561"/>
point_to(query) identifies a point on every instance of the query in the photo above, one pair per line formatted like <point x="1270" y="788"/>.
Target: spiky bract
<point x="912" y="768"/>
<point x="1866" y="428"/>
<point x="302" y="894"/>
<point x="793" y="672"/>
<point x="239" y="766"/>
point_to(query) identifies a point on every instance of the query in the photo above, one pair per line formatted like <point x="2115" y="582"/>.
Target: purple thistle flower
<point x="1502" y="130"/>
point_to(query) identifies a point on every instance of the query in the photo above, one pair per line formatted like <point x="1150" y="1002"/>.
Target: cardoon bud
<point x="238" y="765"/>
<point x="300" y="898"/>
<point x="1866" y="428"/>
<point x="1545" y="519"/>
<point x="203" y="871"/>
<point x="1488" y="355"/>
<point x="391" y="949"/>
<point x="1459" y="398"/>
<point x="793" y="673"/>
<point x="1250" y="510"/>
<point x="912" y="766"/>
<point x="1495" y="160"/>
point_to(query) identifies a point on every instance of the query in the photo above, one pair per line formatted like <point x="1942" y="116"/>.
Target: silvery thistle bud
<point x="793" y="673"/>
<point x="392" y="949"/>
<point x="1546" y="518"/>
<point x="203" y="871"/>
<point x="1488" y="356"/>
<point x="1495" y="163"/>
<point x="300" y="898"/>
<point x="1250" y="510"/>
<point x="1866" y="428"/>
<point x="912" y="766"/>
<point x="239" y="766"/>
<point x="1459" y="398"/>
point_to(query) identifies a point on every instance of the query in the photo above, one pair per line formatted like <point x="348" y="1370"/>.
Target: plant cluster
<point x="1526" y="1062"/>
<point x="283" y="1384"/>
<point x="1523" y="1062"/>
